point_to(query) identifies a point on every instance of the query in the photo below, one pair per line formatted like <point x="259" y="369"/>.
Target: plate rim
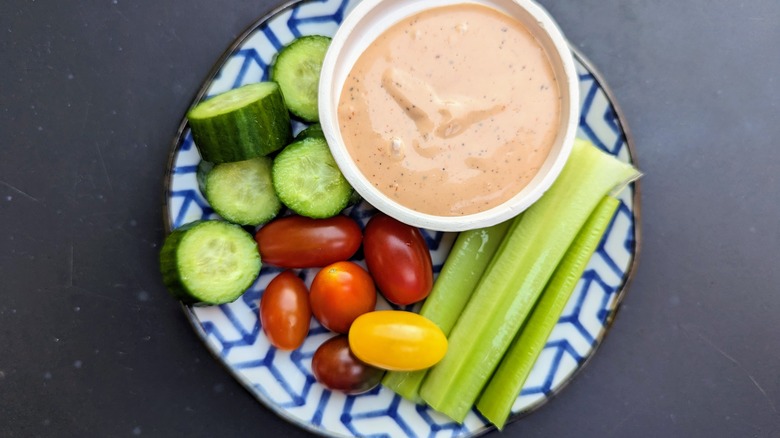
<point x="627" y="279"/>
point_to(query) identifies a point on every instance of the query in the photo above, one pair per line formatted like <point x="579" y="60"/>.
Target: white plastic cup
<point x="371" y="18"/>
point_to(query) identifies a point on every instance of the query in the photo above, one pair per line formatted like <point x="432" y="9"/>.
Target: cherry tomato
<point x="397" y="340"/>
<point x="398" y="259"/>
<point x="285" y="312"/>
<point x="340" y="293"/>
<point x="301" y="242"/>
<point x="337" y="368"/>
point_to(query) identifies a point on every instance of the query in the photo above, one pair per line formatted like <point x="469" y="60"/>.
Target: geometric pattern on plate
<point x="283" y="381"/>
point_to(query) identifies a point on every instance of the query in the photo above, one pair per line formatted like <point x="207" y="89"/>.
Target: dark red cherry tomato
<point x="301" y="242"/>
<point x="336" y="368"/>
<point x="398" y="259"/>
<point x="341" y="292"/>
<point x="285" y="313"/>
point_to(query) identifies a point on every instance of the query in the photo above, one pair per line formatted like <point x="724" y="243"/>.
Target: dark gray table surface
<point x="91" y="94"/>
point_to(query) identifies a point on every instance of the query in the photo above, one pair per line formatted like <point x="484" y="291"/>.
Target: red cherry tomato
<point x="398" y="259"/>
<point x="301" y="242"/>
<point x="285" y="313"/>
<point x="340" y="293"/>
<point x="335" y="367"/>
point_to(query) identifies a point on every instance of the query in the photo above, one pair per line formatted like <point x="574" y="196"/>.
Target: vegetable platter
<point x="284" y="381"/>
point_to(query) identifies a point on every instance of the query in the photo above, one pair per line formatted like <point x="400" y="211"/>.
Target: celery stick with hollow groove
<point x="470" y="255"/>
<point x="525" y="261"/>
<point x="496" y="400"/>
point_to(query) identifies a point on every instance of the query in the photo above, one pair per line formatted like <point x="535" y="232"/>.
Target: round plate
<point x="283" y="381"/>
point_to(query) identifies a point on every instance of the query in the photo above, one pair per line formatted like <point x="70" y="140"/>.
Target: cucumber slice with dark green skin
<point x="209" y="262"/>
<point x="247" y="122"/>
<point x="354" y="198"/>
<point x="297" y="70"/>
<point x="308" y="181"/>
<point x="314" y="130"/>
<point x="242" y="192"/>
<point x="204" y="167"/>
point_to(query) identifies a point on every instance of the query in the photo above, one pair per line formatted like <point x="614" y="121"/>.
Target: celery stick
<point x="461" y="272"/>
<point x="465" y="264"/>
<point x="532" y="249"/>
<point x="499" y="395"/>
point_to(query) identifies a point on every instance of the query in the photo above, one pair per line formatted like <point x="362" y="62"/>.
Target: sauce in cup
<point x="451" y="111"/>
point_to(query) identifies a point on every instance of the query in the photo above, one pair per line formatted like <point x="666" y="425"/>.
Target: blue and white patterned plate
<point x="283" y="381"/>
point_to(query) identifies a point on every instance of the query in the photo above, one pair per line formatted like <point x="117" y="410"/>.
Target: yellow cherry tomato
<point x="396" y="340"/>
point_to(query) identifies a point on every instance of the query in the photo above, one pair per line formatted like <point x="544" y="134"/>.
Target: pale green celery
<point x="525" y="261"/>
<point x="499" y="395"/>
<point x="465" y="264"/>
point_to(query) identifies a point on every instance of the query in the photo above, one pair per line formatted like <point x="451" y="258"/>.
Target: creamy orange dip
<point x="451" y="111"/>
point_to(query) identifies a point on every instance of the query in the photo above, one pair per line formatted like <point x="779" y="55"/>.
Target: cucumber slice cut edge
<point x="209" y="262"/>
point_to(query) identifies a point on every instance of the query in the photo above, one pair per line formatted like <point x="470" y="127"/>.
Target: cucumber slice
<point x="314" y="130"/>
<point x="243" y="123"/>
<point x="209" y="262"/>
<point x="204" y="167"/>
<point x="354" y="198"/>
<point x="308" y="181"/>
<point x="242" y="192"/>
<point x="297" y="70"/>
